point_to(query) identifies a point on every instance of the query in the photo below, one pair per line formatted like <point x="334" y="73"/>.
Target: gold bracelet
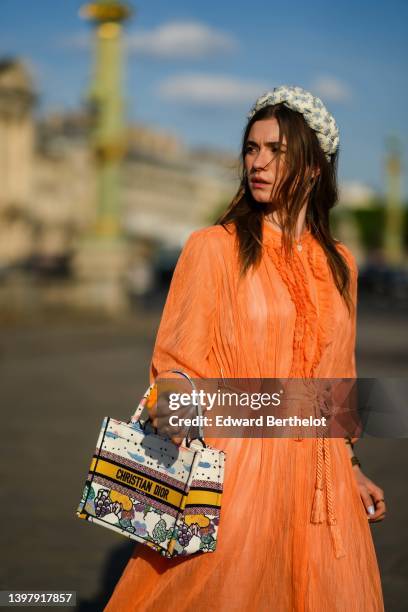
<point x="348" y="440"/>
<point x="355" y="461"/>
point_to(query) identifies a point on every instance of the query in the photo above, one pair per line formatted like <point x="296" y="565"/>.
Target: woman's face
<point x="261" y="158"/>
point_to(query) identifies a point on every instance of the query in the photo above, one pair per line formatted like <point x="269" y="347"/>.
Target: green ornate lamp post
<point x="106" y="103"/>
<point x="393" y="243"/>
<point x="102" y="258"/>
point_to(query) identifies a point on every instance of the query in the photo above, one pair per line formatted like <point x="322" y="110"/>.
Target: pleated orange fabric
<point x="294" y="534"/>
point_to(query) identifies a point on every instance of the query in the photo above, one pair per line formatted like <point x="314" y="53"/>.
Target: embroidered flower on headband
<point x="312" y="108"/>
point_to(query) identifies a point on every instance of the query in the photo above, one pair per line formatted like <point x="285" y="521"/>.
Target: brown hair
<point x="304" y="155"/>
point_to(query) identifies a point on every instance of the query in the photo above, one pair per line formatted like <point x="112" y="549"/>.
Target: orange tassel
<point x="318" y="507"/>
<point x="337" y="541"/>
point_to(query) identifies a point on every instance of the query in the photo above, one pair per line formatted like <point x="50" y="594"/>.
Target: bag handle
<point x="142" y="405"/>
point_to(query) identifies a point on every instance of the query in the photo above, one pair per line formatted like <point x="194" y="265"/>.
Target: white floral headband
<point x="312" y="108"/>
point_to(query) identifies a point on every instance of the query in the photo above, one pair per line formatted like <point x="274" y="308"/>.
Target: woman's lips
<point x="259" y="184"/>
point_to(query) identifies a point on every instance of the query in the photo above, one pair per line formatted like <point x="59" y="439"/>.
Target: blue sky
<point x="196" y="68"/>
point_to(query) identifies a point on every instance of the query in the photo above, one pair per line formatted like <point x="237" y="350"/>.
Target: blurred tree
<point x="371" y="223"/>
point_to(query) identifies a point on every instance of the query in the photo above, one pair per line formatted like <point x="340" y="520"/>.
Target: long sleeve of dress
<point x="353" y="294"/>
<point x="353" y="332"/>
<point x="346" y="394"/>
<point x="351" y="340"/>
<point x="186" y="331"/>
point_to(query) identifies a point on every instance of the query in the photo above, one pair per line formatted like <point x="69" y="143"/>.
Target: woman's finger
<point x="377" y="495"/>
<point x="157" y="408"/>
<point x="163" y="428"/>
<point x="377" y="519"/>
<point x="380" y="518"/>
<point x="380" y="510"/>
<point x="367" y="501"/>
<point x="159" y="413"/>
<point x="175" y="435"/>
<point x="377" y="516"/>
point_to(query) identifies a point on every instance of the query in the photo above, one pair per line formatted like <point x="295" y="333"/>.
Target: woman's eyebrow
<point x="269" y="143"/>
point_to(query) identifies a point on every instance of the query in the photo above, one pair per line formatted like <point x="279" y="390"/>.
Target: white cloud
<point x="181" y="40"/>
<point x="210" y="90"/>
<point x="172" y="40"/>
<point x="331" y="89"/>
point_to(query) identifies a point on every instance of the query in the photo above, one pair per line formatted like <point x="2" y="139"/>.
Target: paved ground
<point x="57" y="382"/>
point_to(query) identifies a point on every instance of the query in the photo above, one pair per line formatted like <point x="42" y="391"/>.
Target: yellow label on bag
<point x="120" y="474"/>
<point x="197" y="497"/>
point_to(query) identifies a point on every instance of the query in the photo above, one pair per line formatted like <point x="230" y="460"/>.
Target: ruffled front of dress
<point x="314" y="327"/>
<point x="314" y="330"/>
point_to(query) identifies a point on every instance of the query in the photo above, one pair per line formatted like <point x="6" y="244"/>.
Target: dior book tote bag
<point x="143" y="486"/>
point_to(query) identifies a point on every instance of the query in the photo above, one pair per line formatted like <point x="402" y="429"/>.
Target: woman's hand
<point x="159" y="413"/>
<point x="371" y="496"/>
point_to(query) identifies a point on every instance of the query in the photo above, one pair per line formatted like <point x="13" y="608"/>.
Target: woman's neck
<point x="300" y="224"/>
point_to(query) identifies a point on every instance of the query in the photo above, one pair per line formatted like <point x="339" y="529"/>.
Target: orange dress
<point x="286" y="320"/>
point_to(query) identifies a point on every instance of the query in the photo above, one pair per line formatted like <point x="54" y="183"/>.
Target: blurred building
<point x="16" y="161"/>
<point x="48" y="182"/>
<point x="167" y="190"/>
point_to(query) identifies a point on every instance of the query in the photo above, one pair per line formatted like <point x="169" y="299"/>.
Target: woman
<point x="265" y="293"/>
